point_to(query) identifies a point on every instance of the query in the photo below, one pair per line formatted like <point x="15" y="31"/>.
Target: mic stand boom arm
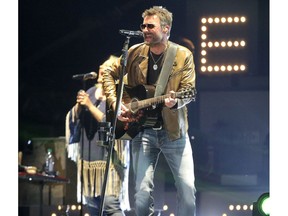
<point x="112" y="136"/>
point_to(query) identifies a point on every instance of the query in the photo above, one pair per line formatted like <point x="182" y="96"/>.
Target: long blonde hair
<point x="108" y="63"/>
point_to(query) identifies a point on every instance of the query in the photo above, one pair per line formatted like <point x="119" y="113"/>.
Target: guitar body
<point x="140" y="92"/>
<point x="145" y="109"/>
<point x="146" y="117"/>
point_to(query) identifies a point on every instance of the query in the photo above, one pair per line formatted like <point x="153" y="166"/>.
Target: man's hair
<point x="165" y="16"/>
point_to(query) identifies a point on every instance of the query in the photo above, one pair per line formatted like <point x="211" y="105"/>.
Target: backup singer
<point x="89" y="110"/>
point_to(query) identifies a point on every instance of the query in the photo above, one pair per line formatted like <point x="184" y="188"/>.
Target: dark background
<point x="60" y="39"/>
<point x="230" y="117"/>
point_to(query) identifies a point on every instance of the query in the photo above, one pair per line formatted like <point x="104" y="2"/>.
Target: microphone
<point x="91" y="75"/>
<point x="131" y="33"/>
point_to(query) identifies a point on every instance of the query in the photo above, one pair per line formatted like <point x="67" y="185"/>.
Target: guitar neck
<point x="152" y="101"/>
<point x="136" y="104"/>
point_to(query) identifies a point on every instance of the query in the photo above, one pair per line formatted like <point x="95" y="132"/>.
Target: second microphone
<point x="87" y="76"/>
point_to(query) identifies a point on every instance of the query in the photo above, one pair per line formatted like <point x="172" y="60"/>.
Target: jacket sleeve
<point x="188" y="81"/>
<point x="110" y="76"/>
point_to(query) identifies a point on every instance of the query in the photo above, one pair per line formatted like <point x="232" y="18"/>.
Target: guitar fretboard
<point x="135" y="105"/>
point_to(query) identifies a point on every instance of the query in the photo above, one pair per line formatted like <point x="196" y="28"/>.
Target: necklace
<point x="155" y="66"/>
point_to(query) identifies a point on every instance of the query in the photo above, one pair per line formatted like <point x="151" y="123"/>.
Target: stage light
<point x="165" y="207"/>
<point x="216" y="20"/>
<point x="236" y="19"/>
<point x="229" y="43"/>
<point x="262" y="206"/>
<point x="236" y="67"/>
<point x="238" y="207"/>
<point x="243" y="19"/>
<point x="216" y="68"/>
<point x="245" y="207"/>
<point x="242" y="67"/>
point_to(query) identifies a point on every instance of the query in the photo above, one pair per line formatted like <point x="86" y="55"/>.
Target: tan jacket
<point x="182" y="77"/>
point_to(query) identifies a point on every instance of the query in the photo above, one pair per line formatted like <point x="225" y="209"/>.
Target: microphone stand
<point x="82" y="151"/>
<point x="112" y="136"/>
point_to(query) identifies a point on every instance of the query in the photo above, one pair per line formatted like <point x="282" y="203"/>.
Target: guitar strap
<point x="166" y="69"/>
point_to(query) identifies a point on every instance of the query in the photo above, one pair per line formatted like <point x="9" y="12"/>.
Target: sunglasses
<point x="149" y="26"/>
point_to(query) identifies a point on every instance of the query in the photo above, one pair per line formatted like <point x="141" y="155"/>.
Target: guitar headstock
<point x="187" y="93"/>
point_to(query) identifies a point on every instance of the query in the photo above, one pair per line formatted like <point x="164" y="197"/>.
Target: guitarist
<point x="170" y="134"/>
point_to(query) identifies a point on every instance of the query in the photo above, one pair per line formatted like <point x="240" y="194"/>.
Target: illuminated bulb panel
<point x="224" y="44"/>
<point x="223" y="68"/>
<point x="236" y="209"/>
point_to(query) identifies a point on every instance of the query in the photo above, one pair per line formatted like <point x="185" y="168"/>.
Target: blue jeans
<point x="111" y="206"/>
<point x="146" y="148"/>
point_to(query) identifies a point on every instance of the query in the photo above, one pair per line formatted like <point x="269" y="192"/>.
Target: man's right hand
<point x="122" y="112"/>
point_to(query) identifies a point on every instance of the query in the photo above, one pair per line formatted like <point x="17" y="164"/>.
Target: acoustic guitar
<point x="144" y="108"/>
